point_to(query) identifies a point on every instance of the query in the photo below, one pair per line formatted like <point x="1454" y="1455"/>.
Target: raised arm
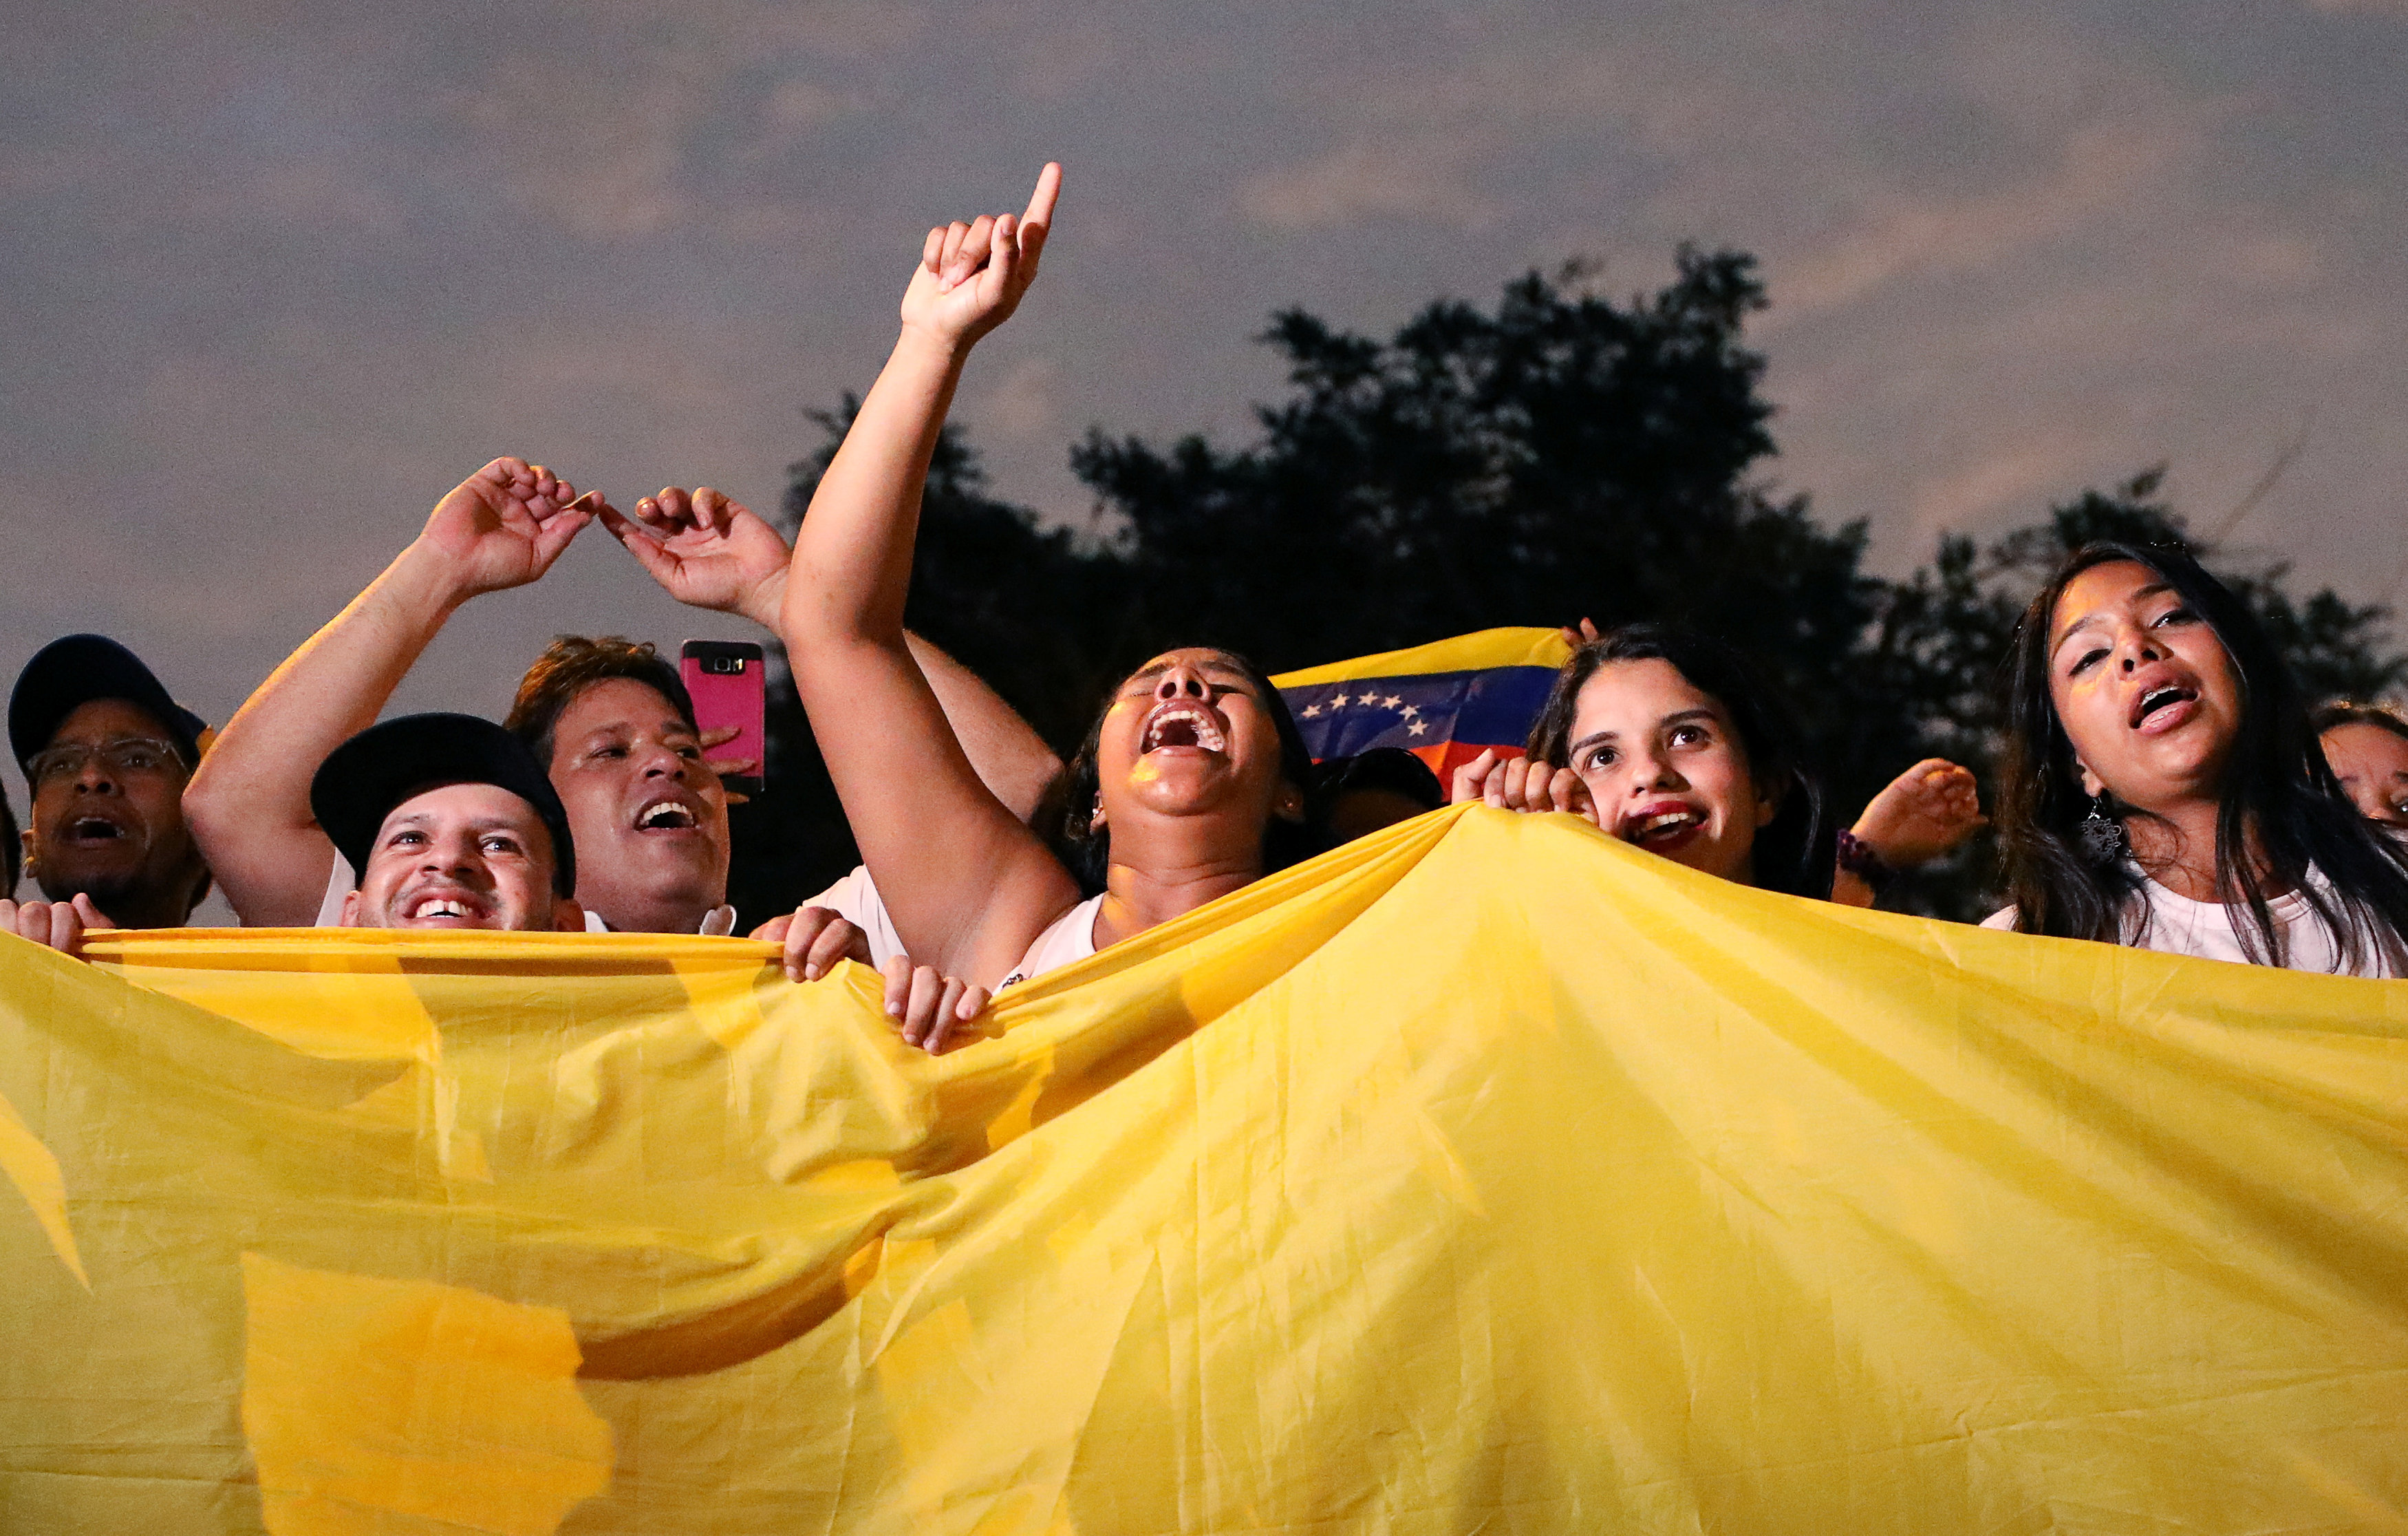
<point x="968" y="884"/>
<point x="1007" y="753"/>
<point x="248" y="804"/>
<point x="709" y="550"/>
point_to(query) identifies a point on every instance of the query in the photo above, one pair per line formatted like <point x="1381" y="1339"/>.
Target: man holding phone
<point x="615" y="726"/>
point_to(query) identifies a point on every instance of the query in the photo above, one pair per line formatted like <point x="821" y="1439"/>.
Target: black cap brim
<point x="359" y="782"/>
<point x="71" y="672"/>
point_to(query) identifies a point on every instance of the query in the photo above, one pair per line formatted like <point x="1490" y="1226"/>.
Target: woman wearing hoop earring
<point x="2163" y="788"/>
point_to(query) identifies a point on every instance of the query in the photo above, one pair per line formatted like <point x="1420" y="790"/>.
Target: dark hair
<point x="1794" y="850"/>
<point x="2277" y="789"/>
<point x="1064" y="816"/>
<point x="2343" y="713"/>
<point x="1391" y="769"/>
<point x="572" y="664"/>
<point x="13" y="849"/>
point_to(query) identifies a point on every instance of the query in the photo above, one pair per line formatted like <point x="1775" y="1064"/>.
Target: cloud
<point x="1022" y="405"/>
<point x="2103" y="166"/>
<point x="1424" y="178"/>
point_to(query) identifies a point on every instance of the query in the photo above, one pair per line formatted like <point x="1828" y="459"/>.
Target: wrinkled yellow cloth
<point x="1485" y="1175"/>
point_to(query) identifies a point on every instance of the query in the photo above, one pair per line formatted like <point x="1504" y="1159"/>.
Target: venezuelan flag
<point x="1444" y="702"/>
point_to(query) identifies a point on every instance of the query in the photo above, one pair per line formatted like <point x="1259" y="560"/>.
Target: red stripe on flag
<point x="1447" y="756"/>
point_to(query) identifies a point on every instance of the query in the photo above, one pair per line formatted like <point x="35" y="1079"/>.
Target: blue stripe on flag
<point x="1492" y="706"/>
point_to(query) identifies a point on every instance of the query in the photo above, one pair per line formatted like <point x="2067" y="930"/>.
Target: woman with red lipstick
<point x="2163" y="788"/>
<point x="1666" y="739"/>
<point x="1182" y="785"/>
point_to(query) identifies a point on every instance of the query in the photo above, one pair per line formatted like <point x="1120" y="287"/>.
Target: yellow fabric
<point x="1472" y="653"/>
<point x="1486" y="1175"/>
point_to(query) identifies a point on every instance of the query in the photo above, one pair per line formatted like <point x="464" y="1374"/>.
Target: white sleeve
<point x="855" y="899"/>
<point x="338" y="885"/>
<point x="2003" y="918"/>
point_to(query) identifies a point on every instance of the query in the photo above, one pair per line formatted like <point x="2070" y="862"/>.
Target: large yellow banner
<point x="1487" y="1175"/>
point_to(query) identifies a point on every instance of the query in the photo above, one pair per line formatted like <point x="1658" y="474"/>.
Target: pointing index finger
<point x="1040" y="203"/>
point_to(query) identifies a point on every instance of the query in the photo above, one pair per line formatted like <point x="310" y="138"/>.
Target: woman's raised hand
<point x="971" y="276"/>
<point x="706" y="550"/>
<point x="1921" y="814"/>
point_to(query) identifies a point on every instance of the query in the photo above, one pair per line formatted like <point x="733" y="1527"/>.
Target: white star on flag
<point x="1312" y="711"/>
<point x="1337" y="703"/>
<point x="1416" y="728"/>
<point x="1392" y="701"/>
<point x="1411" y="709"/>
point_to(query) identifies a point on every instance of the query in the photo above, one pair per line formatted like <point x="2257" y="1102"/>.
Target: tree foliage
<point x="1559" y="455"/>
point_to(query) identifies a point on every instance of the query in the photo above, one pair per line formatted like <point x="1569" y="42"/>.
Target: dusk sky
<point x="277" y="275"/>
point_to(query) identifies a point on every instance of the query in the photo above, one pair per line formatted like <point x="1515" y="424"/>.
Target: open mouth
<point x="1184" y="725"/>
<point x="1662" y="828"/>
<point x="93" y="832"/>
<point x="2157" y="700"/>
<point x="441" y="907"/>
<point x="666" y="816"/>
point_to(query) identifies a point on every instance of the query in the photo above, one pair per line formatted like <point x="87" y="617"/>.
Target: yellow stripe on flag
<point x="1473" y="653"/>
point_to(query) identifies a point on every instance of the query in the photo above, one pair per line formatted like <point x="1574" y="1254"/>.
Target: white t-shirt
<point x="717" y="922"/>
<point x="1072" y="937"/>
<point x="2173" y="924"/>
<point x="855" y="898"/>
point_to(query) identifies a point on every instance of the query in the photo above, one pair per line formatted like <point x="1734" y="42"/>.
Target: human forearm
<point x="1010" y="759"/>
<point x="249" y="803"/>
<point x="852" y="556"/>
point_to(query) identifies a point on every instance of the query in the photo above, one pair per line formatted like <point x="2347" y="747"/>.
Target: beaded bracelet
<point x="1860" y="859"/>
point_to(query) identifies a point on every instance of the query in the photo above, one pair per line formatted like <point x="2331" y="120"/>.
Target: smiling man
<point x="612" y="725"/>
<point x="106" y="754"/>
<point x="447" y="822"/>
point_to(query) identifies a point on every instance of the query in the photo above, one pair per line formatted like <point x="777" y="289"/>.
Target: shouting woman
<point x="1190" y="785"/>
<point x="2163" y="787"/>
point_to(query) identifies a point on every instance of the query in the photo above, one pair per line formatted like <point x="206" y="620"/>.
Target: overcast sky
<point x="279" y="274"/>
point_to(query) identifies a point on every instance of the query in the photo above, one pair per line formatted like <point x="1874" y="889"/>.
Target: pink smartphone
<point x="730" y="687"/>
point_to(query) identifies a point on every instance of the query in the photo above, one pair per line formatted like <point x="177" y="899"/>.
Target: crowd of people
<point x="2164" y="784"/>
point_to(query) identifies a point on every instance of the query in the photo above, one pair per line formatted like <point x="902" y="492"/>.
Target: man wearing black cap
<point x="447" y="821"/>
<point x="106" y="754"/>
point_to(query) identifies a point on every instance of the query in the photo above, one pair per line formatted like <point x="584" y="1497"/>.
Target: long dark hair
<point x="2277" y="788"/>
<point x="1063" y="818"/>
<point x="1794" y="850"/>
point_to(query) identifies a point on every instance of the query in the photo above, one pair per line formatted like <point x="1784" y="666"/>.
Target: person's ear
<point x="1288" y="804"/>
<point x="1768" y="806"/>
<point x="351" y="918"/>
<point x="1096" y="822"/>
<point x="2092" y="785"/>
<point x="25" y="865"/>
<point x="567" y="917"/>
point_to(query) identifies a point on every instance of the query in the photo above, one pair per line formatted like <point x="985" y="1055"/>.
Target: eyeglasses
<point x="126" y="754"/>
